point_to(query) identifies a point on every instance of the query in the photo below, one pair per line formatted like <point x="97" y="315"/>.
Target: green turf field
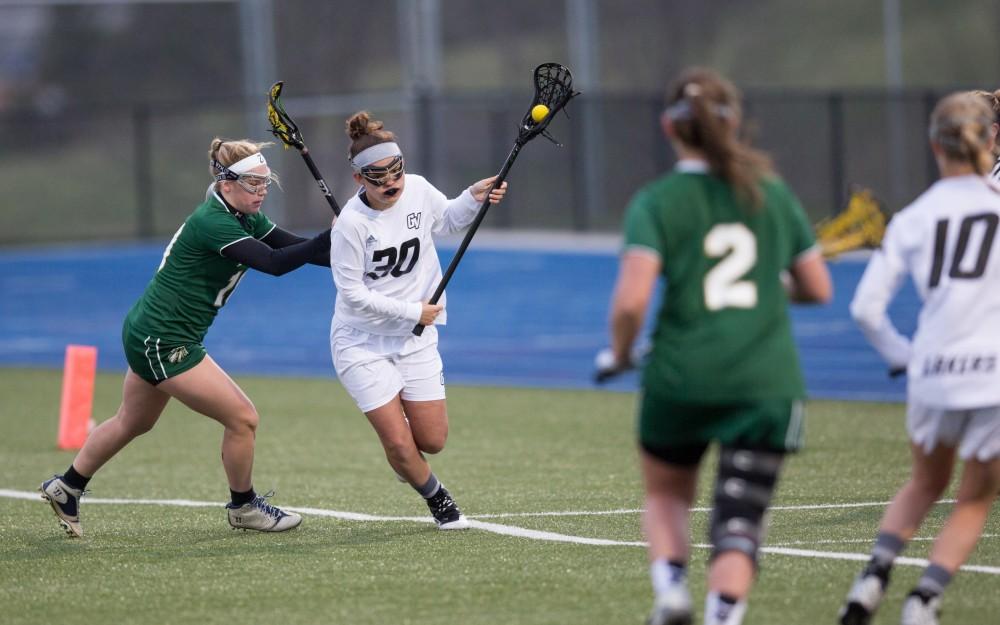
<point x="529" y="465"/>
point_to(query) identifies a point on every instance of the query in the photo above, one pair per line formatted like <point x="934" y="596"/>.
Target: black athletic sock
<point x="241" y="498"/>
<point x="74" y="480"/>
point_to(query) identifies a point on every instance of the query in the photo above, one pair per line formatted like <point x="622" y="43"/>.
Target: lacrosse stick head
<point x="860" y="225"/>
<point x="553" y="89"/>
<point x="282" y="125"/>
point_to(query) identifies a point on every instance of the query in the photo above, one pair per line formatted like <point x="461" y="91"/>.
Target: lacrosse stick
<point x="285" y="129"/>
<point x="861" y="224"/>
<point x="553" y="89"/>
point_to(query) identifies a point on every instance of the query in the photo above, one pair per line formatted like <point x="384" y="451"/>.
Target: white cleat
<point x="862" y="600"/>
<point x="261" y="516"/>
<point x="672" y="607"/>
<point x="916" y="611"/>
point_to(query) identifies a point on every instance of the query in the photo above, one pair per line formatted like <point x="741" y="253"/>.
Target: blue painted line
<point x="516" y="318"/>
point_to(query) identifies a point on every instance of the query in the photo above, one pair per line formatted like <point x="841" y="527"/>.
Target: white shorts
<point x="375" y="368"/>
<point x="975" y="432"/>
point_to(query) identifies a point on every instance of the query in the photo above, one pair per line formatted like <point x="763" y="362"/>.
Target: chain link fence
<point x="107" y="109"/>
<point x="136" y="171"/>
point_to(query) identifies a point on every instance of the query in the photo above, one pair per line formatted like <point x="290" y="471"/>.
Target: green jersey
<point x="723" y="333"/>
<point x="194" y="279"/>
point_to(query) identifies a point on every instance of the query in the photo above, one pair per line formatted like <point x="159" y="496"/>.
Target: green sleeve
<point x="261" y="226"/>
<point x="803" y="236"/>
<point x="215" y="230"/>
<point x="642" y="229"/>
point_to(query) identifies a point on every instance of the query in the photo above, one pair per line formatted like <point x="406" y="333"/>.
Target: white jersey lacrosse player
<point x="386" y="269"/>
<point x="946" y="240"/>
<point x="384" y="265"/>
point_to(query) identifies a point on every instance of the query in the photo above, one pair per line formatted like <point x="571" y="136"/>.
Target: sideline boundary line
<point x="521" y="532"/>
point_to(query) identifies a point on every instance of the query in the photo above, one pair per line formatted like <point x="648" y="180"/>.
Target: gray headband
<point x="374" y="154"/>
<point x="681" y="110"/>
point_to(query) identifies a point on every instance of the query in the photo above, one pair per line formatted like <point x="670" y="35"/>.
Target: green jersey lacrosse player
<point x="733" y="246"/>
<point x="163" y="332"/>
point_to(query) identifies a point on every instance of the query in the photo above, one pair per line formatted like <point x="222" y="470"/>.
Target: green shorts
<point x="772" y="424"/>
<point x="154" y="359"/>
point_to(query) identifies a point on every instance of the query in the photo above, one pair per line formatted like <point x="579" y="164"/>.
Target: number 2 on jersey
<point x="736" y="245"/>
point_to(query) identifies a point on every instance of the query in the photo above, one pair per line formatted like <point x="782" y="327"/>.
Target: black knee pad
<point x="744" y="485"/>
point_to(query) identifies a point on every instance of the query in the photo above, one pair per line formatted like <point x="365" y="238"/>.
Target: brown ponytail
<point x="706" y="113"/>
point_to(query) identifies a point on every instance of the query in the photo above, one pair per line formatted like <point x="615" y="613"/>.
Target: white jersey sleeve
<point x="455" y="215"/>
<point x="946" y="240"/>
<point x="879" y="284"/>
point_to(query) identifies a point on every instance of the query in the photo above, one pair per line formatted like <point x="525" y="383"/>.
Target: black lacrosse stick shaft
<point x="304" y="151"/>
<point x="480" y="215"/>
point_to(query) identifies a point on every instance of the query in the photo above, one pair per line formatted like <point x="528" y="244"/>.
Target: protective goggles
<point x="251" y="183"/>
<point x="379" y="176"/>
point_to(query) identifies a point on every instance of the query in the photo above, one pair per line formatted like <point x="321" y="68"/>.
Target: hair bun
<point x="360" y="124"/>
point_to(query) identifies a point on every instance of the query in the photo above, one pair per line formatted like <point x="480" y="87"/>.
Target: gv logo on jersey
<point x="413" y="221"/>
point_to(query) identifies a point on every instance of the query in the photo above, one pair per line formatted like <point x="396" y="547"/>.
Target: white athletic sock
<point x="665" y="575"/>
<point x="721" y="612"/>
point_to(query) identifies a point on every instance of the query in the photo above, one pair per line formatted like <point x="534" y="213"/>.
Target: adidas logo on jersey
<point x="371" y="240"/>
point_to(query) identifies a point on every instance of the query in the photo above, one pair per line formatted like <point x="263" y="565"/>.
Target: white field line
<point x="521" y="532"/>
<point x="846" y="541"/>
<point x="825" y="506"/>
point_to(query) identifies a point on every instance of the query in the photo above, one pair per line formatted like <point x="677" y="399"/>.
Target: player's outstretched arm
<point x="277" y="262"/>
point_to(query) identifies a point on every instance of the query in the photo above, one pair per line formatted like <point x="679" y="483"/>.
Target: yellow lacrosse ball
<point x="539" y="112"/>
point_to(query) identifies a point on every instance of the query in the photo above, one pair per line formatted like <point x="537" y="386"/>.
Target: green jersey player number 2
<point x="719" y="230"/>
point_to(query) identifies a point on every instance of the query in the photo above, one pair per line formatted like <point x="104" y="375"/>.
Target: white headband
<point x="244" y="165"/>
<point x="374" y="154"/>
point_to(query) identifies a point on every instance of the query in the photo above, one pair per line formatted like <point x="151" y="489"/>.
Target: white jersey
<point x="384" y="261"/>
<point x="946" y="241"/>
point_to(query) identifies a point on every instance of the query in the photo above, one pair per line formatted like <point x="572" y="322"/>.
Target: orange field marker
<point x="77" y="403"/>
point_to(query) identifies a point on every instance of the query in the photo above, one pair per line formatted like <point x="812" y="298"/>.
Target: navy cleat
<point x="65" y="502"/>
